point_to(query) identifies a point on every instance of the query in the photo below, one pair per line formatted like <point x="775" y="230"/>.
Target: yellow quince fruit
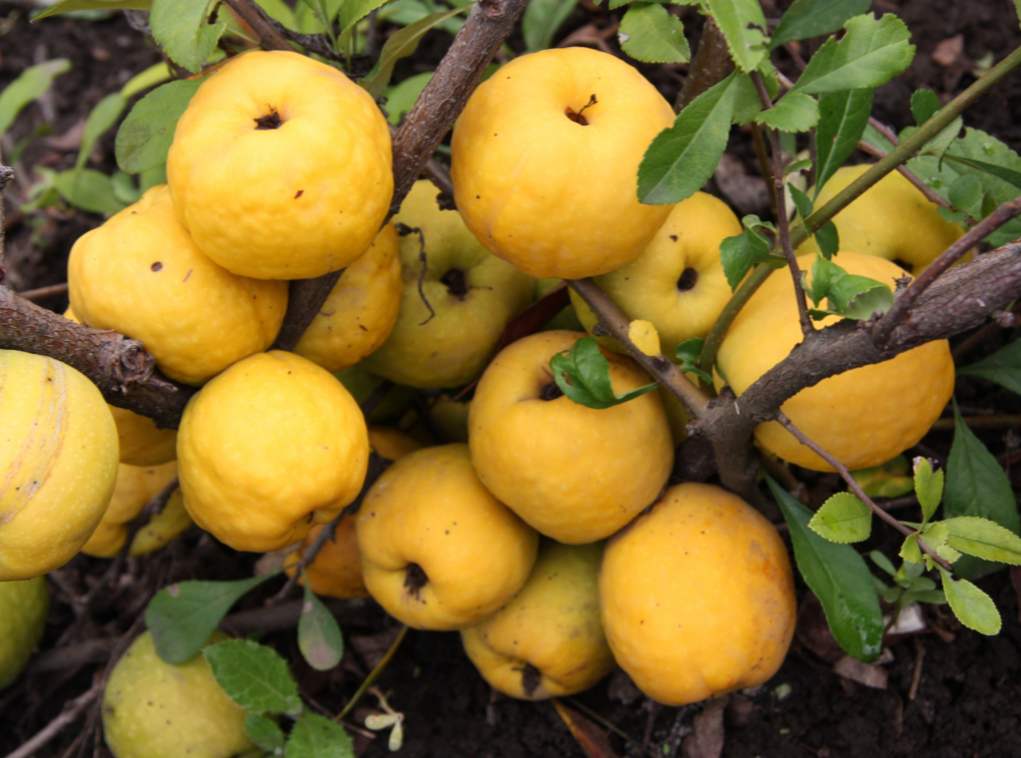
<point x="697" y="596"/>
<point x="58" y="452"/>
<point x="544" y="161"/>
<point x="548" y="640"/>
<point x="268" y="448"/>
<point x="140" y="274"/>
<point x="863" y="417"/>
<point x="438" y="550"/>
<point x="574" y="473"/>
<point x="135" y="487"/>
<point x="281" y="167"/>
<point x="23" y="608"/>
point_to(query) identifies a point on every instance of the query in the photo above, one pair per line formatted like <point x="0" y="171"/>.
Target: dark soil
<point x="950" y="692"/>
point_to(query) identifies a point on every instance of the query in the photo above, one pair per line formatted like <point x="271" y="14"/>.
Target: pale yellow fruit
<point x="471" y="296"/>
<point x="23" y="608"/>
<point x="677" y="283"/>
<point x="142" y="443"/>
<point x="58" y="452"/>
<point x="135" y="487"/>
<point x="162" y="528"/>
<point x="438" y="550"/>
<point x="862" y="417"/>
<point x="154" y="709"/>
<point x="548" y="640"/>
<point x="545" y="159"/>
<point x="281" y="167"/>
<point x="574" y="473"/>
<point x="361" y="309"/>
<point x="269" y="447"/>
<point x="892" y="219"/>
<point x="140" y="274"/>
<point x="697" y="596"/>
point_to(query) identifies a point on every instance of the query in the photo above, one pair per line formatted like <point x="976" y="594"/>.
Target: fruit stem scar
<point x="578" y="116"/>
<point x="271" y="120"/>
<point x="415" y="579"/>
<point x="687" y="280"/>
<point x="530" y="679"/>
<point x="456" y="282"/>
<point x="550" y="391"/>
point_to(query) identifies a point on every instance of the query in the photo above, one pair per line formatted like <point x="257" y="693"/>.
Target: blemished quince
<point x="862" y="417"/>
<point x="141" y="442"/>
<point x="544" y="160"/>
<point x="23" y="608"/>
<point x="361" y="309"/>
<point x="135" y="487"/>
<point x="336" y="570"/>
<point x="677" y="282"/>
<point x="269" y="447"/>
<point x="548" y="641"/>
<point x="281" y="167"/>
<point x="470" y="295"/>
<point x="574" y="473"/>
<point x="154" y="709"/>
<point x="140" y="274"/>
<point x="58" y="452"/>
<point x="438" y="550"/>
<point x="892" y="219"/>
<point x="697" y="596"/>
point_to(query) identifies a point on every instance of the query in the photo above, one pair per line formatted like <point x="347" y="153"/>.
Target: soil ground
<point x="948" y="692"/>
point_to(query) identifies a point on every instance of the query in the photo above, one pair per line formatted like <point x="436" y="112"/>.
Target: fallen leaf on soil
<point x="948" y="52"/>
<point x="707" y="739"/>
<point x="746" y="192"/>
<point x="592" y="740"/>
<point x="864" y="673"/>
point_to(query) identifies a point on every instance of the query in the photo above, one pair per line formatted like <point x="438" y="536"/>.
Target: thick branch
<point x="124" y="372"/>
<point x="710" y="65"/>
<point x="488" y="24"/>
<point x="261" y="24"/>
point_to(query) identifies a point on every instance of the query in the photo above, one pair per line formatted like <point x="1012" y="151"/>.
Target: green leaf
<point x="264" y="732"/>
<point x="848" y="295"/>
<point x="400" y="45"/>
<point x="741" y="252"/>
<point x="928" y="487"/>
<point x="30" y="85"/>
<point x="794" y="112"/>
<point x="972" y="607"/>
<point x="890" y="479"/>
<point x="688" y="354"/>
<point x="92" y="191"/>
<point x="825" y="235"/>
<point x="71" y="6"/>
<point x="400" y="97"/>
<point x="843" y="518"/>
<point x="182" y="29"/>
<point x="910" y="551"/>
<point x="1000" y="172"/>
<point x="843" y="117"/>
<point x="924" y="103"/>
<point x="155" y="74"/>
<point x="1017" y="10"/>
<point x="182" y="616"/>
<point x="683" y="157"/>
<point x="814" y="18"/>
<point x="871" y="53"/>
<point x="982" y="538"/>
<point x="976" y="485"/>
<point x="875" y="138"/>
<point x="651" y="34"/>
<point x="743" y="26"/>
<point x="319" y="637"/>
<point x="353" y="11"/>
<point x="1002" y="367"/>
<point x="317" y="737"/>
<point x="882" y="562"/>
<point x="583" y="374"/>
<point x="838" y="576"/>
<point x="542" y="20"/>
<point x="100" y="119"/>
<point x="965" y="194"/>
<point x="255" y="676"/>
<point x="146" y="133"/>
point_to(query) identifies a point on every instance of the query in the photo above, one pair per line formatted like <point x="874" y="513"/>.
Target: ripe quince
<point x="697" y="596"/>
<point x="58" y="452"/>
<point x="863" y="417"/>
<point x="269" y="447"/>
<point x="548" y="640"/>
<point x="135" y="487"/>
<point x="438" y="550"/>
<point x="361" y="309"/>
<point x="140" y="274"/>
<point x="281" y="167"/>
<point x="574" y="473"/>
<point x="154" y="709"/>
<point x="891" y="219"/>
<point x="23" y="608"/>
<point x="544" y="161"/>
<point x="455" y="301"/>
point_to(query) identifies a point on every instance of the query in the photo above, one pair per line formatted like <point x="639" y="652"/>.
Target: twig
<point x="68" y="716"/>
<point x="262" y="25"/>
<point x="440" y="176"/>
<point x="916" y="674"/>
<point x="488" y="24"/>
<point x="374" y="674"/>
<point x="40" y="293"/>
<point x="930" y="194"/>
<point x="776" y="173"/>
<point x="615" y="324"/>
<point x="908" y="297"/>
<point x="852" y="484"/>
<point x="995" y="421"/>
